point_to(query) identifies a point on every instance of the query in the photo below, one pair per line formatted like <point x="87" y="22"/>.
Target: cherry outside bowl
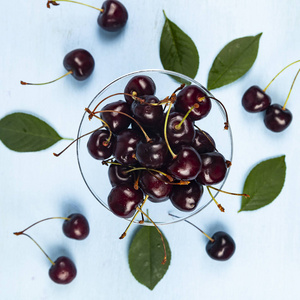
<point x="95" y="174"/>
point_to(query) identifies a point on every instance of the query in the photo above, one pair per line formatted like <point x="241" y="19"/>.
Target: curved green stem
<point x="54" y="3"/>
<point x="284" y="105"/>
<point x="28" y="83"/>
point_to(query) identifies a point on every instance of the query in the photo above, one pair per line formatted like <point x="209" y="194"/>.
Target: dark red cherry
<point x="186" y="197"/>
<point x="98" y="146"/>
<point x="125" y="147"/>
<point x="276" y="118"/>
<point x="213" y="169"/>
<point x="141" y="85"/>
<point x="117" y="175"/>
<point x="77" y="227"/>
<point x="149" y="116"/>
<point x="113" y="17"/>
<point x="155" y="185"/>
<point x="152" y="154"/>
<point x="180" y="136"/>
<point x="63" y="271"/>
<point x="203" y="142"/>
<point x="123" y="200"/>
<point x="189" y="96"/>
<point x="115" y="120"/>
<point x="222" y="248"/>
<point x="187" y="164"/>
<point x="80" y="62"/>
<point x="255" y="99"/>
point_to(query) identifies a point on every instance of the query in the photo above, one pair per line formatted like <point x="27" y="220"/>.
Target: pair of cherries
<point x="63" y="269"/>
<point x="277" y="117"/>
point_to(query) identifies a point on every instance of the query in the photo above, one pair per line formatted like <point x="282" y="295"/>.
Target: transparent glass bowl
<point x="95" y="174"/>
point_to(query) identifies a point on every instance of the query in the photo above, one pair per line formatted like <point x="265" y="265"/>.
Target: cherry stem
<point x="221" y="208"/>
<point x="51" y="218"/>
<point x="284" y="105"/>
<point x="125" y="232"/>
<point x="181" y="182"/>
<point x="209" y="139"/>
<point x="280" y="73"/>
<point x="58" y="154"/>
<point x="165" y="132"/>
<point x="134" y="97"/>
<point x="211" y="239"/>
<point x="122" y="113"/>
<point x="153" y="170"/>
<point x="178" y="126"/>
<point x="161" y="236"/>
<point x="226" y="123"/>
<point x="52" y="262"/>
<point x="110" y="161"/>
<point x="27" y="83"/>
<point x="54" y="3"/>
<point x="229" y="193"/>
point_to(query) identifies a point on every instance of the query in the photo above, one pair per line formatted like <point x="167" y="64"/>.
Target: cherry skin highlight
<point x="77" y="227"/>
<point x="63" y="271"/>
<point x="255" y="100"/>
<point x="277" y="119"/>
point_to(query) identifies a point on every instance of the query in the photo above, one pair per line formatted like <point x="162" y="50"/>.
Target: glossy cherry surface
<point x="141" y="85"/>
<point x="80" y="62"/>
<point x="186" y="197"/>
<point x="114" y="16"/>
<point x="214" y="168"/>
<point x="189" y="96"/>
<point x="276" y="118"/>
<point x="123" y="200"/>
<point x="255" y="99"/>
<point x="203" y="142"/>
<point x="98" y="146"/>
<point x="77" y="227"/>
<point x="63" y="271"/>
<point x="187" y="164"/>
<point x="222" y="248"/>
<point x="115" y="120"/>
<point x="117" y="175"/>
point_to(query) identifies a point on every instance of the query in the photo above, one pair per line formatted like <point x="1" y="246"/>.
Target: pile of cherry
<point x="154" y="148"/>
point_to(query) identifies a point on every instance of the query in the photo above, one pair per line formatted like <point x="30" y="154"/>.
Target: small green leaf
<point x="145" y="257"/>
<point x="26" y="133"/>
<point x="264" y="183"/>
<point x="177" y="51"/>
<point x="233" y="61"/>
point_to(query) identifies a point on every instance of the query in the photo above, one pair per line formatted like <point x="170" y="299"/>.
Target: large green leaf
<point x="264" y="183"/>
<point x="25" y="133"/>
<point x="233" y="61"/>
<point x="146" y="255"/>
<point x="177" y="50"/>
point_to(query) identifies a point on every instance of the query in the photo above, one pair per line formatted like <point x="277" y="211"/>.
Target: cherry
<point x="186" y="165"/>
<point x="277" y="118"/>
<point x="117" y="175"/>
<point x="76" y="227"/>
<point x="147" y="115"/>
<point x="79" y="63"/>
<point x="188" y="97"/>
<point x="186" y="197"/>
<point x="155" y="185"/>
<point x="63" y="271"/>
<point x="222" y="247"/>
<point x="214" y="168"/>
<point x="178" y="132"/>
<point x="255" y="100"/>
<point x="123" y="200"/>
<point x="99" y="146"/>
<point x="117" y="121"/>
<point x="203" y="142"/>
<point x="152" y="154"/>
<point x="139" y="85"/>
<point x="113" y="17"/>
<point x="125" y="147"/>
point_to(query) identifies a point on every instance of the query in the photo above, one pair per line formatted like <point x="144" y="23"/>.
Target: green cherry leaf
<point x="145" y="257"/>
<point x="233" y="61"/>
<point x="26" y="133"/>
<point x="177" y="51"/>
<point x="264" y="183"/>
